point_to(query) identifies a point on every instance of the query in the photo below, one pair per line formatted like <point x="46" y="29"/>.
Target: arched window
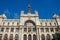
<point x="34" y="37"/>
<point x="0" y="36"/>
<point x="29" y="37"/>
<point x="42" y="37"/>
<point x="47" y="37"/>
<point x="11" y="37"/>
<point x="6" y="37"/>
<point x="25" y="37"/>
<point x="30" y="24"/>
<point x="16" y="37"/>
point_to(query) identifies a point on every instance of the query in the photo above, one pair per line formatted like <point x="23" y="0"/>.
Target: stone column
<point x="44" y="30"/>
<point x="32" y="36"/>
<point x="27" y="36"/>
<point x="39" y="34"/>
<point x="49" y="30"/>
<point x="54" y="30"/>
<point x="22" y="34"/>
<point x="14" y="34"/>
<point x="45" y="36"/>
<point x="19" y="33"/>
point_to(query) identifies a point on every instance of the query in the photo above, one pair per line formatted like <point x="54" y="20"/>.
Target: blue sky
<point x="45" y="8"/>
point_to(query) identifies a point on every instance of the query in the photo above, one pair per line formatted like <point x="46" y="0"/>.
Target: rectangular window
<point x="56" y="29"/>
<point x="47" y="30"/>
<point x="34" y="29"/>
<point x="42" y="30"/>
<point x="2" y="29"/>
<point x="17" y="29"/>
<point x="25" y="29"/>
<point x="51" y="29"/>
<point x="7" y="29"/>
<point x="12" y="29"/>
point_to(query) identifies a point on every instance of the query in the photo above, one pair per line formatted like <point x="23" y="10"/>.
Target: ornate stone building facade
<point x="29" y="27"/>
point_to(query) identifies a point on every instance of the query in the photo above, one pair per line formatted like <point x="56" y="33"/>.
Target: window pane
<point x="17" y="29"/>
<point x="2" y="29"/>
<point x="25" y="29"/>
<point x="42" y="30"/>
<point x="51" y="29"/>
<point x="47" y="30"/>
<point x="7" y="29"/>
<point x="34" y="29"/>
<point x="12" y="29"/>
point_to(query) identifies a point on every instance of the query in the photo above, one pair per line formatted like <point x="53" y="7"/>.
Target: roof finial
<point x="29" y="8"/>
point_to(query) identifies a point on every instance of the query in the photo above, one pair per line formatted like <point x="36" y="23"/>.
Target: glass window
<point x="25" y="29"/>
<point x="12" y="29"/>
<point x="56" y="29"/>
<point x="34" y="29"/>
<point x="42" y="30"/>
<point x="17" y="29"/>
<point x="47" y="30"/>
<point x="29" y="24"/>
<point x="41" y="24"/>
<point x="2" y="29"/>
<point x="50" y="24"/>
<point x="17" y="23"/>
<point x="54" y="24"/>
<point x="7" y="29"/>
<point x="8" y="23"/>
<point x="51" y="29"/>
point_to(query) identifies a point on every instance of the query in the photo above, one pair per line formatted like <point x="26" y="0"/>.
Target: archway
<point x="29" y="37"/>
<point x="47" y="37"/>
<point x="25" y="37"/>
<point x="0" y="36"/>
<point x="16" y="37"/>
<point x="42" y="37"/>
<point x="29" y="24"/>
<point x="6" y="37"/>
<point x="34" y="37"/>
<point x="11" y="37"/>
<point x="53" y="35"/>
